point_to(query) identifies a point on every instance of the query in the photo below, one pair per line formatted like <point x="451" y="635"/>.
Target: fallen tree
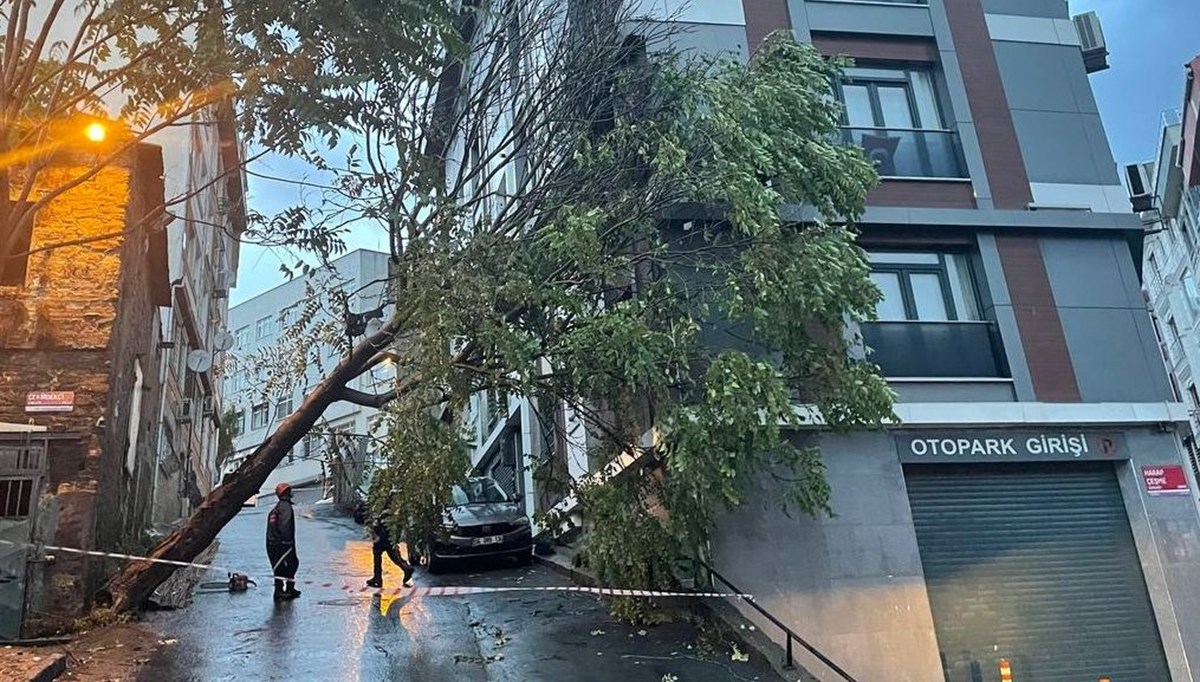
<point x="526" y="189"/>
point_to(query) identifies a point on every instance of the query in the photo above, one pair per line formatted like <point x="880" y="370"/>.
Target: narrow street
<point x="334" y="634"/>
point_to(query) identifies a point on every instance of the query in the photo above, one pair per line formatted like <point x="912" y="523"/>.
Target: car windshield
<point x="479" y="490"/>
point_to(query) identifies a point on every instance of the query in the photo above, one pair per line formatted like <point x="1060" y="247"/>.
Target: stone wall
<point x="87" y="313"/>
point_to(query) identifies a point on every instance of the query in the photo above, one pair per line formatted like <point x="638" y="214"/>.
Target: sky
<point x="1148" y="42"/>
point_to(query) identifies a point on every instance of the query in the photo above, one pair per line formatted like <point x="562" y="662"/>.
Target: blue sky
<point x="1148" y="43"/>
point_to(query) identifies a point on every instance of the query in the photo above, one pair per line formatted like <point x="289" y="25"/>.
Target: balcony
<point x="961" y="350"/>
<point x="910" y="153"/>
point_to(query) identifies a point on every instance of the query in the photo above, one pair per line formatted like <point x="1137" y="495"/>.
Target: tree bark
<point x="130" y="588"/>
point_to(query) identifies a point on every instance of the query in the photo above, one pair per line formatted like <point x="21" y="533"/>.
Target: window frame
<point x="263" y="328"/>
<point x="903" y="80"/>
<point x="904" y="271"/>
<point x="255" y="410"/>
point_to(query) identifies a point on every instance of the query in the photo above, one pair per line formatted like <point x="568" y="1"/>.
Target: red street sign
<point x="1165" y="480"/>
<point x="50" y="401"/>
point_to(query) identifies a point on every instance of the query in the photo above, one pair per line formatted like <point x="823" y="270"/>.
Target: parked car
<point x="483" y="521"/>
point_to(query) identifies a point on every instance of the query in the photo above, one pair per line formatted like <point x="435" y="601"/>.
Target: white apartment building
<point x="259" y="326"/>
<point x="205" y="190"/>
<point x="1171" y="212"/>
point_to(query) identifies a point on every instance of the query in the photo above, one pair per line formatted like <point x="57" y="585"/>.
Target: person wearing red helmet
<point x="281" y="544"/>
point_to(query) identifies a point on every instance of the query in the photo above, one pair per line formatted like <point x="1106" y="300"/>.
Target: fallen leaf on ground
<point x="738" y="655"/>
<point x="597" y="632"/>
<point x="167" y="642"/>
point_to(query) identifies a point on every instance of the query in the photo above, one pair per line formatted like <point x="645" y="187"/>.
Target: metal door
<point x="22" y="470"/>
<point x="1035" y="564"/>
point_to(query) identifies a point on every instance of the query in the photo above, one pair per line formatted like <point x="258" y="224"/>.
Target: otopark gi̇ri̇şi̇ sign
<point x="1008" y="446"/>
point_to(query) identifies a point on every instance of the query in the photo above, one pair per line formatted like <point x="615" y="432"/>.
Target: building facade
<point x="1033" y="503"/>
<point x="263" y="327"/>
<point x="79" y="387"/>
<point x="205" y="190"/>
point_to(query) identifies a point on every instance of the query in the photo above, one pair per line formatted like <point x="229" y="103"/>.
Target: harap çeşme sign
<point x="1009" y="446"/>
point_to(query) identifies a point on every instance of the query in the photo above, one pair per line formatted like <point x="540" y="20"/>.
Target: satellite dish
<point x="224" y="341"/>
<point x="373" y="327"/>
<point x="199" y="361"/>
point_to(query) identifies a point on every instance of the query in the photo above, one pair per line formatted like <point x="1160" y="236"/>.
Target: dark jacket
<point x="281" y="524"/>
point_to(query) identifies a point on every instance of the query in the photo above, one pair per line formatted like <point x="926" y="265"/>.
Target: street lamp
<point x="96" y="132"/>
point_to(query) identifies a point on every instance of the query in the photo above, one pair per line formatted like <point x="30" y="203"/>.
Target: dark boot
<point x="290" y="592"/>
<point x="375" y="582"/>
<point x="279" y="590"/>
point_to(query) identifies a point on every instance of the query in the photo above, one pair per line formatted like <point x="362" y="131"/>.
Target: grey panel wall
<point x="852" y="584"/>
<point x="896" y="20"/>
<point x="1061" y="136"/>
<point x="1105" y="322"/>
<point x="1167" y="532"/>
<point x="1053" y="9"/>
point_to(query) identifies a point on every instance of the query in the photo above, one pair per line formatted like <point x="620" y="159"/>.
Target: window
<point x="262" y="328"/>
<point x="239" y="422"/>
<point x="283" y="408"/>
<point x="1174" y="330"/>
<point x="890" y="98"/>
<point x="258" y="416"/>
<point x="242" y="336"/>
<point x="16" y="495"/>
<point x="18" y="265"/>
<point x="930" y="287"/>
<point x="893" y="114"/>
<point x="287" y="318"/>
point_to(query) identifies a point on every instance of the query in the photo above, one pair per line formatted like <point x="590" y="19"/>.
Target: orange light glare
<point x="96" y="132"/>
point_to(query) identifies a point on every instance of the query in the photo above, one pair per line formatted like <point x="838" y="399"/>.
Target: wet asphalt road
<point x="333" y="635"/>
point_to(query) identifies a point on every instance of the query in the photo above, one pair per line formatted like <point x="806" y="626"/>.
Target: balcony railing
<point x="936" y="349"/>
<point x="910" y="153"/>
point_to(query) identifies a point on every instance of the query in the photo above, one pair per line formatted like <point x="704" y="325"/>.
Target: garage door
<point x="1036" y="564"/>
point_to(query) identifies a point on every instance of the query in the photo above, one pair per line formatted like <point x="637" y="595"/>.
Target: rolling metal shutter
<point x="1036" y="564"/>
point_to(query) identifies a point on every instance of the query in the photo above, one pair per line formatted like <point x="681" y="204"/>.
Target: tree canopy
<point x="578" y="214"/>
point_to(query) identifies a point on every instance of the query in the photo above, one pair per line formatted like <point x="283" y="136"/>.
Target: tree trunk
<point x="131" y="587"/>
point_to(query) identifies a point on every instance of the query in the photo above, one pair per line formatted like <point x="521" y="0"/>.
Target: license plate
<point x="493" y="540"/>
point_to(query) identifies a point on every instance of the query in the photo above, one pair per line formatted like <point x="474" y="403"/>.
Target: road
<point x="332" y="634"/>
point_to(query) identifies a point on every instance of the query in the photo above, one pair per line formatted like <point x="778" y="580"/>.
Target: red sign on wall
<point x="1165" y="480"/>
<point x="50" y="401"/>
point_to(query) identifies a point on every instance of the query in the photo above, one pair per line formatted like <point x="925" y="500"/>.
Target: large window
<point x="242" y="337"/>
<point x="930" y="287"/>
<point x="262" y="328"/>
<point x="893" y="114"/>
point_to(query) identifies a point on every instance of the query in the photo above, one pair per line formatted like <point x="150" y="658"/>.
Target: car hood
<point x="485" y="513"/>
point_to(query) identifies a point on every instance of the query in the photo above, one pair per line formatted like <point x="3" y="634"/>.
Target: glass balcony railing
<point x="936" y="349"/>
<point x="910" y="153"/>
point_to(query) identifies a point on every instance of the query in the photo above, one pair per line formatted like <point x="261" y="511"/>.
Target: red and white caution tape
<point x="432" y="591"/>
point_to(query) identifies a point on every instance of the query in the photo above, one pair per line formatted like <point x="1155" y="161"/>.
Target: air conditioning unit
<point x="1091" y="42"/>
<point x="1141" y="193"/>
<point x="207" y="406"/>
<point x="185" y="413"/>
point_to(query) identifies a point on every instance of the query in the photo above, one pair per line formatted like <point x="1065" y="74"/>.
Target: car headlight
<point x="523" y="521"/>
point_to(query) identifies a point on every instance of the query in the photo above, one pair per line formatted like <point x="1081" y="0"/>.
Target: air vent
<point x="1091" y="42"/>
<point x="1140" y="196"/>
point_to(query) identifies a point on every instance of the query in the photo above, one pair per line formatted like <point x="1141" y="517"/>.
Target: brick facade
<point x="86" y="317"/>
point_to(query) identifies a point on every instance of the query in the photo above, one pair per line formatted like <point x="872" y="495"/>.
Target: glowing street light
<point x="96" y="132"/>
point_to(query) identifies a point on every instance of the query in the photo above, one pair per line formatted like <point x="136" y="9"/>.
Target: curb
<point x="56" y="667"/>
<point x="575" y="575"/>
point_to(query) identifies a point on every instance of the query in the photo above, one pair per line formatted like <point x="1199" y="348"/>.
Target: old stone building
<point x="79" y="384"/>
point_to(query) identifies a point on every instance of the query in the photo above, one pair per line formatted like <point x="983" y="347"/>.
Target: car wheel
<point x="524" y="557"/>
<point x="433" y="564"/>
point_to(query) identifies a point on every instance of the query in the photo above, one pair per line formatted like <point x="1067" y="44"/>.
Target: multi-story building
<point x="1171" y="214"/>
<point x="205" y="194"/>
<point x="260" y="326"/>
<point x="1032" y="504"/>
<point x="79" y="388"/>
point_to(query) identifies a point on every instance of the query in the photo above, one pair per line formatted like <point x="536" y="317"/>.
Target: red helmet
<point x="283" y="490"/>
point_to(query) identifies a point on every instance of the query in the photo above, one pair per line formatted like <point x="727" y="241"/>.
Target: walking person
<point x="383" y="545"/>
<point x="281" y="544"/>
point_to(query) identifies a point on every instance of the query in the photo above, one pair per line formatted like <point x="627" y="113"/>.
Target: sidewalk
<point x="28" y="664"/>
